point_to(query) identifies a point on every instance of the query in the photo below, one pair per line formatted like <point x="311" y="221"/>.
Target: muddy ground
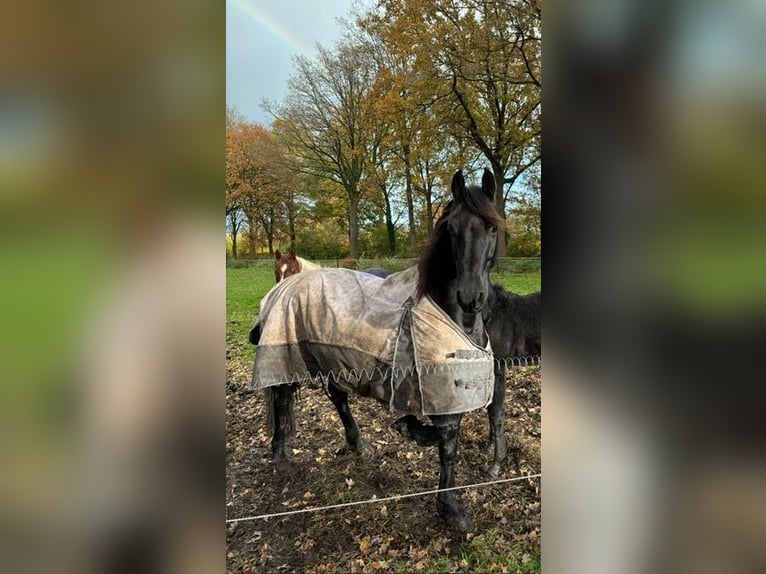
<point x="405" y="535"/>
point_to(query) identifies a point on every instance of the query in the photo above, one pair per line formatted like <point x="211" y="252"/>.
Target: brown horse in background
<point x="287" y="264"/>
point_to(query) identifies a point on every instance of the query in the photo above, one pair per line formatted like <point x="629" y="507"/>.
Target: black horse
<point x="514" y="327"/>
<point x="377" y="272"/>
<point x="454" y="272"/>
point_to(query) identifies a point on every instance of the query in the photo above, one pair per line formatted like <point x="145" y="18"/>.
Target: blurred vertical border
<point x="112" y="286"/>
<point x="655" y="286"/>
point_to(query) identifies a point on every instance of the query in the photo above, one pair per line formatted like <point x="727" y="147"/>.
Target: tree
<point x="256" y="181"/>
<point x="476" y="64"/>
<point x="233" y="225"/>
<point x="323" y="121"/>
<point x="381" y="180"/>
<point x="233" y="208"/>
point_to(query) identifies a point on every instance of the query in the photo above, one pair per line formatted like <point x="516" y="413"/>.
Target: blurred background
<point x="654" y="180"/>
<point x="112" y="120"/>
<point x="112" y="123"/>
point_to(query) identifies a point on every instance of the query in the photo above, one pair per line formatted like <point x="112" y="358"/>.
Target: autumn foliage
<point x="360" y="151"/>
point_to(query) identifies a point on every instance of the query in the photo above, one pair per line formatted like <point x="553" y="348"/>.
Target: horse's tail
<point x="255" y="333"/>
<point x="282" y="396"/>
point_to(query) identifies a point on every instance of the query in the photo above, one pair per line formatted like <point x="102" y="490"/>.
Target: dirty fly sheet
<point x="370" y="335"/>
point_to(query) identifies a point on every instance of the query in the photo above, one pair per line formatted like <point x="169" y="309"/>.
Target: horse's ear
<point x="458" y="185"/>
<point x="277" y="255"/>
<point x="291" y="254"/>
<point x="488" y="184"/>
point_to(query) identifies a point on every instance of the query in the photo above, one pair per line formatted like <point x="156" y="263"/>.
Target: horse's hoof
<point x="365" y="449"/>
<point x="463" y="524"/>
<point x="402" y="426"/>
<point x="460" y="521"/>
<point x="494" y="471"/>
<point x="456" y="517"/>
<point x="280" y="463"/>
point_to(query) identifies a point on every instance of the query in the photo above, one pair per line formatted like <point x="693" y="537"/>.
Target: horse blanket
<point x="369" y="334"/>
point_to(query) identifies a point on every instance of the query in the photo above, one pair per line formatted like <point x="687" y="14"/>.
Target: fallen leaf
<point x="364" y="543"/>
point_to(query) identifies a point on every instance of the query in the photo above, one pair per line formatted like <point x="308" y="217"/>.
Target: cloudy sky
<point x="261" y="38"/>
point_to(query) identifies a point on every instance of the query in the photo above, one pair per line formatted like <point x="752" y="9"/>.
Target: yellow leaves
<point x="364" y="543"/>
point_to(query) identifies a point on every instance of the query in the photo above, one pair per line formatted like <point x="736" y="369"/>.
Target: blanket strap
<point x="406" y="319"/>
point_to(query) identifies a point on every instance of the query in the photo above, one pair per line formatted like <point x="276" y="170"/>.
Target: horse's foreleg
<point x="496" y="411"/>
<point x="354" y="438"/>
<point x="447" y="503"/>
<point x="280" y="401"/>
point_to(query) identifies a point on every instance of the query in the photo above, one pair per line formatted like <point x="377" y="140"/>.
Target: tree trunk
<point x="390" y="227"/>
<point x="291" y="228"/>
<point x="429" y="209"/>
<point x="234" y="221"/>
<point x="267" y="220"/>
<point x="410" y="205"/>
<point x="291" y="220"/>
<point x="251" y="239"/>
<point x="269" y="227"/>
<point x="251" y="236"/>
<point x="353" y="225"/>
<point x="502" y="245"/>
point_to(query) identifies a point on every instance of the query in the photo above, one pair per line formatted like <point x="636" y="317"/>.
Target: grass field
<point x="244" y="290"/>
<point x="245" y="287"/>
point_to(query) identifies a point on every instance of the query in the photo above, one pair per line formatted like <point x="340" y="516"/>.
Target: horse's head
<point x="472" y="226"/>
<point x="286" y="264"/>
<point x="455" y="265"/>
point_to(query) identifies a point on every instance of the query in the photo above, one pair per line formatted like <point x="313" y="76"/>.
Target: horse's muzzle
<point x="471" y="305"/>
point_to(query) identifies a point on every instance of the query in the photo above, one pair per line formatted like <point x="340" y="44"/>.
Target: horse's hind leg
<point x="447" y="503"/>
<point x="339" y="398"/>
<point x="280" y="401"/>
<point x="410" y="427"/>
<point x="496" y="412"/>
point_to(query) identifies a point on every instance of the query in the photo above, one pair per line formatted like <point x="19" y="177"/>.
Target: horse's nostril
<point x="471" y="305"/>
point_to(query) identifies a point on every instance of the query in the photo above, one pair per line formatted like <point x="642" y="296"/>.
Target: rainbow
<point x="250" y="9"/>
